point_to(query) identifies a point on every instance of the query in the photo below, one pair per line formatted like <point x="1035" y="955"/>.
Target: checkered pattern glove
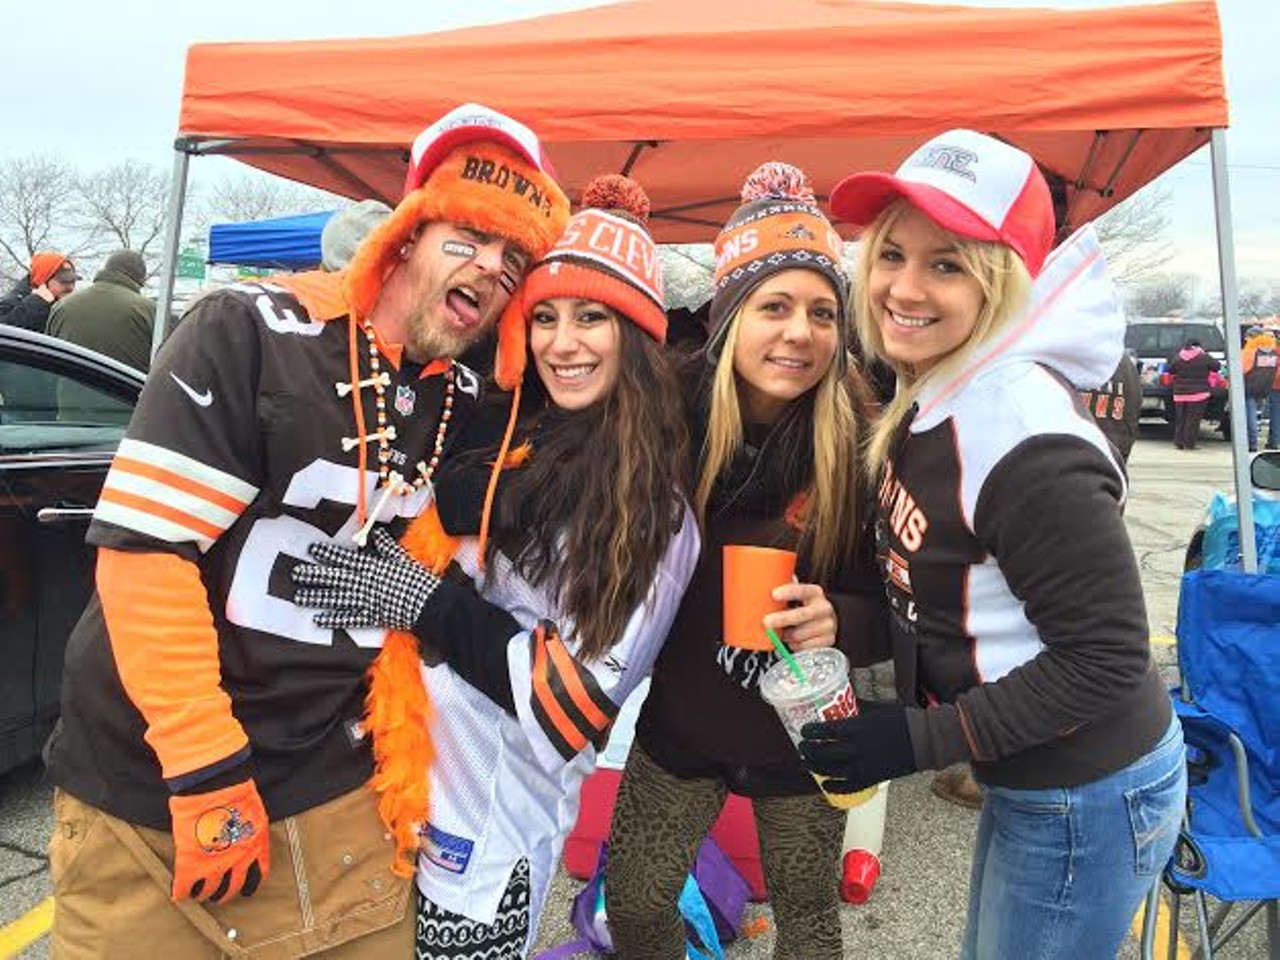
<point x="745" y="667"/>
<point x="381" y="587"/>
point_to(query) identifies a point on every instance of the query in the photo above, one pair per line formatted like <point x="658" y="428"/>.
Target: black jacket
<point x="698" y="722"/>
<point x="1191" y="373"/>
<point x="22" y="308"/>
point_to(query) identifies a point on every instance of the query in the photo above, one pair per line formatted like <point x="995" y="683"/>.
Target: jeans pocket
<point x="1155" y="814"/>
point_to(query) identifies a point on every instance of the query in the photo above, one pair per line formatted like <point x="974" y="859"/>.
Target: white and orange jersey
<point x="505" y="787"/>
<point x="235" y="462"/>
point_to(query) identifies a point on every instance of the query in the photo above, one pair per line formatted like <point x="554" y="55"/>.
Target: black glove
<point x="859" y="752"/>
<point x="745" y="667"/>
<point x="382" y="587"/>
<point x="386" y="587"/>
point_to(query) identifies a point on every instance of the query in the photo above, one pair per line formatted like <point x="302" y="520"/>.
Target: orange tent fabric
<point x="689" y="96"/>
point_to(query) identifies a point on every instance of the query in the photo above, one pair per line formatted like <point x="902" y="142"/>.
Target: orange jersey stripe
<point x="567" y="729"/>
<point x="567" y="667"/>
<point x="179" y="482"/>
<point x="156" y="509"/>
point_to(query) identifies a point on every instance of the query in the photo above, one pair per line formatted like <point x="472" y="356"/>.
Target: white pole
<point x="169" y="255"/>
<point x="1235" y="362"/>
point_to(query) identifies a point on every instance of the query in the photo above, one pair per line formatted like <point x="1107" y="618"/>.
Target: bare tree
<point x="124" y="206"/>
<point x="1134" y="236"/>
<point x="1253" y="300"/>
<point x="1160" y="296"/>
<point x="257" y="196"/>
<point x="37" y="211"/>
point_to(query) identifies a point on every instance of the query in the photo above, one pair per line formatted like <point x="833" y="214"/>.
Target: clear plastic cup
<point x="825" y="694"/>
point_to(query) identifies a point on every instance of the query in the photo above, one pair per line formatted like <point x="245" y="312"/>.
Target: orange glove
<point x="221" y="846"/>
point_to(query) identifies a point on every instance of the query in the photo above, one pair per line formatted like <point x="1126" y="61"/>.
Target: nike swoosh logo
<point x="201" y="399"/>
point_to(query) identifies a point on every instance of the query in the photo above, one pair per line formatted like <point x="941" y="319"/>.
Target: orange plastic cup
<point x="750" y="576"/>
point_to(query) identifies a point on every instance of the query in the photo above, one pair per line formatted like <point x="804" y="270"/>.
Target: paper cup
<point x="750" y="576"/>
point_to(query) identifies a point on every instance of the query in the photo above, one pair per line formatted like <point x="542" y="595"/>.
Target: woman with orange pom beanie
<point x="543" y="624"/>
<point x="775" y="411"/>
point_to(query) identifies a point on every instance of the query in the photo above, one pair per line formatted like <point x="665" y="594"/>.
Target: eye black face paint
<point x="509" y="283"/>
<point x="456" y="248"/>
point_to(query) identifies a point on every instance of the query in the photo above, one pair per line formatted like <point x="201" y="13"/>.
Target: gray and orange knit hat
<point x="778" y="227"/>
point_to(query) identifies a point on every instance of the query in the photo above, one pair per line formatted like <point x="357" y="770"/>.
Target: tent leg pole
<point x="1235" y="363"/>
<point x="169" y="255"/>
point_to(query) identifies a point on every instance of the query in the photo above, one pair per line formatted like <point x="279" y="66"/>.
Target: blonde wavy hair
<point x="832" y="519"/>
<point x="1006" y="289"/>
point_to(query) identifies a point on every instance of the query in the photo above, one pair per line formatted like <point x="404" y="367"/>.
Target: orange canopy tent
<point x="690" y="96"/>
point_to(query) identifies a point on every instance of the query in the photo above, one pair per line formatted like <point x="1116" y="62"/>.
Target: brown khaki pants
<point x="330" y="892"/>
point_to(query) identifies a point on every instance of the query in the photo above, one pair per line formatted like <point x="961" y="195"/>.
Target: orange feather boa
<point x="397" y="708"/>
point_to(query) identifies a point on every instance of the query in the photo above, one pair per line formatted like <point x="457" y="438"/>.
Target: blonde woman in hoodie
<point x="1020" y="635"/>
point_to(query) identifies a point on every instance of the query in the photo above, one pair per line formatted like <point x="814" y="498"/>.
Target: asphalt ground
<point x="918" y="906"/>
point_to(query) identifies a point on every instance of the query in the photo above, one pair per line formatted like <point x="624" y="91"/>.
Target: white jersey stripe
<point x="189" y="503"/>
<point x="188" y="468"/>
<point x="149" y="524"/>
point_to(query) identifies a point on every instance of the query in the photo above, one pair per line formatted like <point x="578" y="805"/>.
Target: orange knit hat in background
<point x="44" y="265"/>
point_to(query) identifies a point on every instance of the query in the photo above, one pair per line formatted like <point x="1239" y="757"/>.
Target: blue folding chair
<point x="1229" y="704"/>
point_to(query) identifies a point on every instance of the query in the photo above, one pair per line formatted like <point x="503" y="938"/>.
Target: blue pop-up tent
<point x="286" y="243"/>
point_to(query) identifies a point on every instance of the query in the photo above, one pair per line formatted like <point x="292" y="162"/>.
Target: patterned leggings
<point x="658" y="823"/>
<point x="447" y="936"/>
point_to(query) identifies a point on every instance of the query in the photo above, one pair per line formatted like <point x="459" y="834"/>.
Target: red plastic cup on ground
<point x="861" y="870"/>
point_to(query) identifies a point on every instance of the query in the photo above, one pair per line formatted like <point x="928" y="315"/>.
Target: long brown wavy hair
<point x="592" y="513"/>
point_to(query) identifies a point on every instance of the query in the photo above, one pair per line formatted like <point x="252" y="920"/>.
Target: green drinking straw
<point x="785" y="654"/>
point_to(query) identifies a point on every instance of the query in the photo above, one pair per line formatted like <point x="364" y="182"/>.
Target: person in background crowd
<point x="111" y="315"/>
<point x="51" y="277"/>
<point x="346" y="229"/>
<point x="777" y="416"/>
<point x="999" y="509"/>
<point x="570" y="613"/>
<point x="1116" y="406"/>
<point x="210" y="730"/>
<point x="1191" y="370"/>
<point x="1262" y="386"/>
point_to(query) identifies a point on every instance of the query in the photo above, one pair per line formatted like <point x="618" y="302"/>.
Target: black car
<point x="1152" y="342"/>
<point x="63" y="411"/>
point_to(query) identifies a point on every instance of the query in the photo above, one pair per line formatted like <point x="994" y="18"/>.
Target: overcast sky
<point x="96" y="83"/>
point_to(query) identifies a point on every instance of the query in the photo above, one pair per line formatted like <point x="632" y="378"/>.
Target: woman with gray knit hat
<point x="776" y="417"/>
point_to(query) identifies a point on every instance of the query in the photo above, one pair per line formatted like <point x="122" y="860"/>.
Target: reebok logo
<point x="200" y="399"/>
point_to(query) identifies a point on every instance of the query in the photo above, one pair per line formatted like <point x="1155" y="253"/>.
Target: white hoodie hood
<point x="1073" y="324"/>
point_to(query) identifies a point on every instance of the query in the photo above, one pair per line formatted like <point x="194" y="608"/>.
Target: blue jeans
<point x="1059" y="873"/>
<point x="1251" y="407"/>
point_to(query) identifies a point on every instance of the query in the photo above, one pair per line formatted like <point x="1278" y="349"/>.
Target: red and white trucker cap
<point x="966" y="182"/>
<point x="466" y="124"/>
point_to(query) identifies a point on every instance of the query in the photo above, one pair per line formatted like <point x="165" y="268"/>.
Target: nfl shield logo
<point x="404" y="400"/>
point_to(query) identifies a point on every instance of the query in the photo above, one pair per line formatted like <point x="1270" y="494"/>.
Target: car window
<point x="44" y="410"/>
<point x="1162" y="339"/>
<point x="1143" y="340"/>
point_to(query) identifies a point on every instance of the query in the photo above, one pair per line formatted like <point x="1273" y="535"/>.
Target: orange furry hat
<point x="481" y="169"/>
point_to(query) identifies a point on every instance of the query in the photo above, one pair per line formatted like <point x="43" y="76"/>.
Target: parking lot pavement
<point x="918" y="907"/>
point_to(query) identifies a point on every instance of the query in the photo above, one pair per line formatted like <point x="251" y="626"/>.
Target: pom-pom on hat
<point x="606" y="254"/>
<point x="481" y="169"/>
<point x="778" y="227"/>
<point x="966" y="182"/>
